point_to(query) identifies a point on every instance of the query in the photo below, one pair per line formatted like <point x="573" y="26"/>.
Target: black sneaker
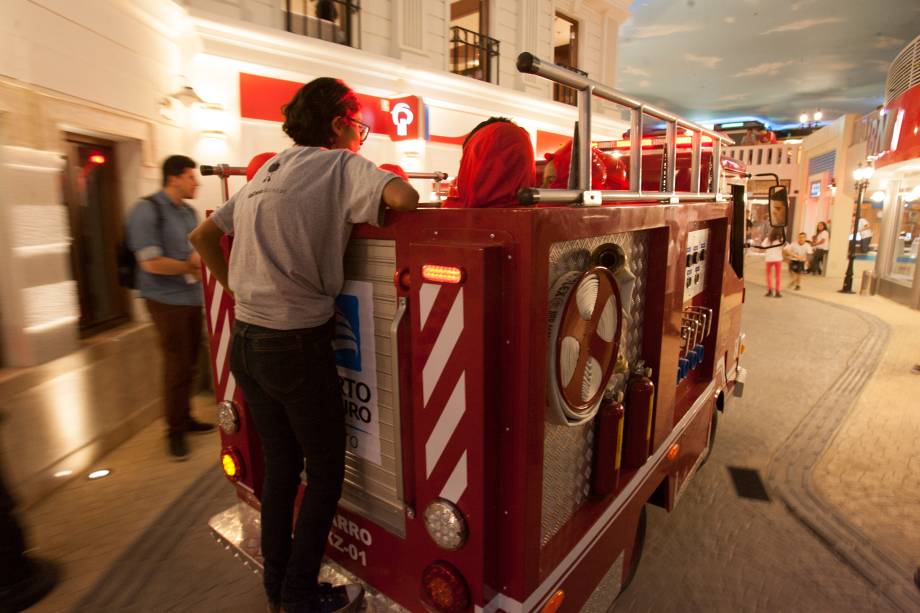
<point x="329" y="599"/>
<point x="769" y="293"/>
<point x="178" y="448"/>
<point x="41" y="577"/>
<point x="193" y="426"/>
<point x="778" y="295"/>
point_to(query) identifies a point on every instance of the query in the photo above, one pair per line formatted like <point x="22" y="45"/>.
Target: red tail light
<point x="443" y="589"/>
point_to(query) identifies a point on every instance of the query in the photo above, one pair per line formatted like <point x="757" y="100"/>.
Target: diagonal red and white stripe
<point x="449" y="407"/>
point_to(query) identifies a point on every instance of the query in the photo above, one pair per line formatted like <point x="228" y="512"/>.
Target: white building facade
<point x="94" y="95"/>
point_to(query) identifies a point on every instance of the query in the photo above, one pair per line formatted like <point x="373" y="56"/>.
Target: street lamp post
<point x="862" y="175"/>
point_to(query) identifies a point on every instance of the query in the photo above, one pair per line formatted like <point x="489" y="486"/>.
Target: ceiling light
<point x="818" y="115"/>
<point x="878" y="196"/>
<point x="803" y="118"/>
<point x="99" y="474"/>
<point x="63" y="473"/>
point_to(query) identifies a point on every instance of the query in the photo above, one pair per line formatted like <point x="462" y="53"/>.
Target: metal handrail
<point x="587" y="89"/>
<point x="225" y="171"/>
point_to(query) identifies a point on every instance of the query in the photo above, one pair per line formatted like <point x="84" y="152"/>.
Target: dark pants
<point x="291" y="386"/>
<point x="12" y="541"/>
<point x="179" y="329"/>
<point x="817" y="264"/>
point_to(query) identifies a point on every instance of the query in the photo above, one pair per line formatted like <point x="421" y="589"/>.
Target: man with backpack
<point x="168" y="277"/>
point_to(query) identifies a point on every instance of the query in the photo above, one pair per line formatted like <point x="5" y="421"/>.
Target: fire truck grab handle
<point x="397" y="407"/>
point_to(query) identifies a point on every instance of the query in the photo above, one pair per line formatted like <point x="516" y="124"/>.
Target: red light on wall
<point x="442" y="274"/>
<point x="97" y="158"/>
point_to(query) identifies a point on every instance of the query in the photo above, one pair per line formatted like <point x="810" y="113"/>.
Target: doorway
<point x="91" y="191"/>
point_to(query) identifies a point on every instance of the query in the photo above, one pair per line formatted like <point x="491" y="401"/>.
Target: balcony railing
<point x="336" y="21"/>
<point x="764" y="155"/>
<point x="473" y="55"/>
<point x="564" y="94"/>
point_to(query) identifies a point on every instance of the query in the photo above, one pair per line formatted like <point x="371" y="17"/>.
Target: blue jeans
<point x="291" y="386"/>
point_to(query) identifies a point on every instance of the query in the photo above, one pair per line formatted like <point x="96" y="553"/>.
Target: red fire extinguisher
<point x="608" y="447"/>
<point x="640" y="400"/>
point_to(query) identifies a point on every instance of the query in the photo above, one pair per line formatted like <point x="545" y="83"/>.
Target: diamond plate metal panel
<point x="568" y="451"/>
<point x="608" y="588"/>
<point x="239" y="529"/>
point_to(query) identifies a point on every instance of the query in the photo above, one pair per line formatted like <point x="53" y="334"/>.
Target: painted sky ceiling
<point x="772" y="59"/>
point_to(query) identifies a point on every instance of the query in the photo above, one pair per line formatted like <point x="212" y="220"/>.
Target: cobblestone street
<point x="138" y="540"/>
<point x="717" y="551"/>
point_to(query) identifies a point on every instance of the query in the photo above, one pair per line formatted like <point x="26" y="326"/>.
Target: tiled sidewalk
<point x="871" y="470"/>
<point x="86" y="525"/>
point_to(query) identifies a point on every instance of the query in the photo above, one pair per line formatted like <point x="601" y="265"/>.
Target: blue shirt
<point x="148" y="240"/>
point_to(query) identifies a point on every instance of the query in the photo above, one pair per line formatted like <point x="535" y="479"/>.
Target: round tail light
<point x="443" y="589"/>
<point x="232" y="464"/>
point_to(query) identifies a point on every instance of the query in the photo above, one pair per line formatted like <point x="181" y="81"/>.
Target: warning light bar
<point x="442" y="274"/>
<point x="657" y="142"/>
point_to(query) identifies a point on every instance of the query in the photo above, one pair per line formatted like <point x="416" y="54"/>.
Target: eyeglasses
<point x="363" y="129"/>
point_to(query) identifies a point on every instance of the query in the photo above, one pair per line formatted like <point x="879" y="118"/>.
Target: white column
<point x="38" y="296"/>
<point x="889" y="229"/>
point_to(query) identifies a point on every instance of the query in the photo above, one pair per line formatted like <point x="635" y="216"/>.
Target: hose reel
<point x="586" y="318"/>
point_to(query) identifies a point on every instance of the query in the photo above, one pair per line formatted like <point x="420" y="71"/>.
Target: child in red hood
<point x="617" y="171"/>
<point x="556" y="172"/>
<point x="497" y="161"/>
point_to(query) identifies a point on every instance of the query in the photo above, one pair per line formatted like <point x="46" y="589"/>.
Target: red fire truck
<point x="520" y="382"/>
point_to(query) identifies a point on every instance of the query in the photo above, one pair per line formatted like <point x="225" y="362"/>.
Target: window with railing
<point x="473" y="54"/>
<point x="561" y="93"/>
<point x="565" y="54"/>
<point x="336" y="21"/>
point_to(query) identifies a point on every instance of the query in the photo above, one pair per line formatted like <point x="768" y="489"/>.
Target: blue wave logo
<point x="347" y="340"/>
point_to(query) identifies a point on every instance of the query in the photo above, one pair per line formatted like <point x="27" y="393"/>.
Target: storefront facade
<point x="896" y="150"/>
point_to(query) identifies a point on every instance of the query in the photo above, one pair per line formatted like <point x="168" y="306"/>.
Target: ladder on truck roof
<point x="583" y="194"/>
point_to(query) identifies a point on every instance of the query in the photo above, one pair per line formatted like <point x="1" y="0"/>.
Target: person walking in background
<point x="798" y="255"/>
<point x="819" y="243"/>
<point x="773" y="255"/>
<point x="168" y="277"/>
<point x="749" y="138"/>
<point x="291" y="225"/>
<point x="26" y="578"/>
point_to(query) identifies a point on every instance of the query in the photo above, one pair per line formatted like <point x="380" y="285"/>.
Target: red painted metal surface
<point x="906" y="131"/>
<point x="496" y="321"/>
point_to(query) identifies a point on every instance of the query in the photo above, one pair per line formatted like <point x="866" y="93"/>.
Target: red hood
<point x="257" y="162"/>
<point x="497" y="161"/>
<point x="617" y="171"/>
<point x="562" y="159"/>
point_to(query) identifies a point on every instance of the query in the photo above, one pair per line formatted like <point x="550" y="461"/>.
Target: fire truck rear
<point x="519" y="383"/>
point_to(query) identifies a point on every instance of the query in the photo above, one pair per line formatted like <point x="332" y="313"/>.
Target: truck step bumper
<point x="238" y="530"/>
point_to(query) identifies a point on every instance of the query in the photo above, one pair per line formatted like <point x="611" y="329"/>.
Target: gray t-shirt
<point x="291" y="225"/>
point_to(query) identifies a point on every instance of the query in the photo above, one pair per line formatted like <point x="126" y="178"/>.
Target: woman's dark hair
<point x="483" y="124"/>
<point x="818" y="227"/>
<point x="308" y="116"/>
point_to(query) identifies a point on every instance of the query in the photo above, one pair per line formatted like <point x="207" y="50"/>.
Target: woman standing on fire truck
<point x="290" y="225"/>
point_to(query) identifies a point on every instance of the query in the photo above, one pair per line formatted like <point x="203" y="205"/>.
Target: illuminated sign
<point x="407" y="117"/>
<point x="815" y="190"/>
<point x="399" y="118"/>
